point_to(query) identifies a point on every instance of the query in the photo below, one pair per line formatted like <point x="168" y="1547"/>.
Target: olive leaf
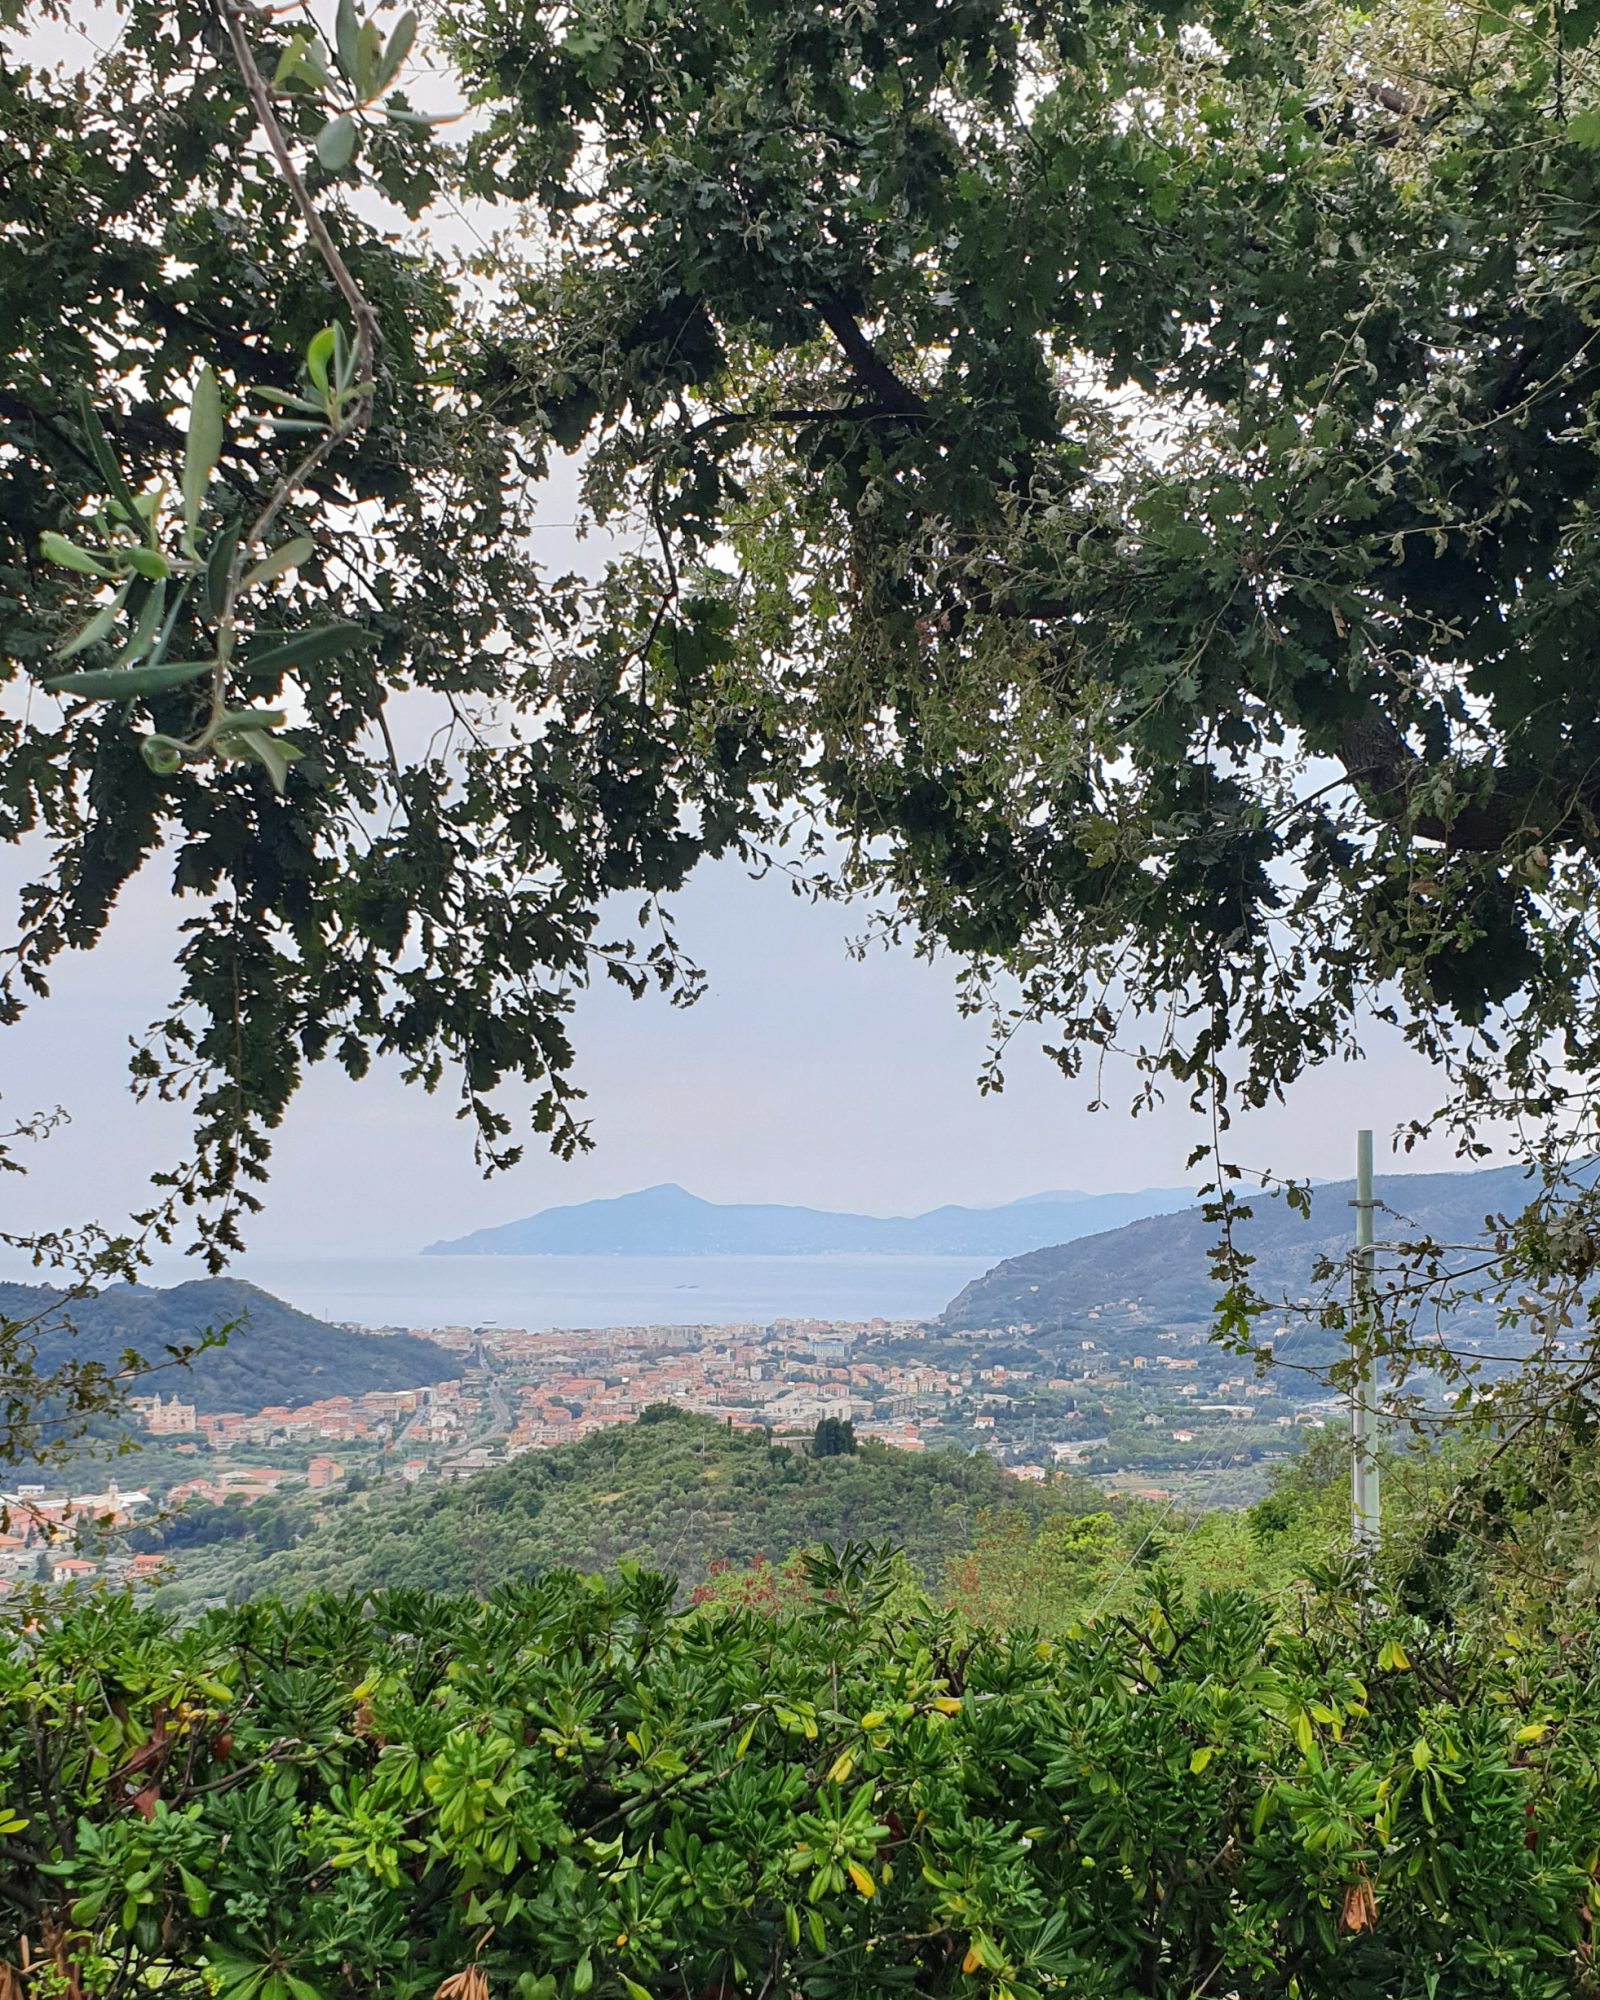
<point x="57" y="549"/>
<point x="124" y="683"/>
<point x="98" y="626"/>
<point x="399" y="47"/>
<point x="261" y="747"/>
<point x="279" y="562"/>
<point x="116" y="483"/>
<point x="203" y="448"/>
<point x="305" y="649"/>
<point x="219" y="566"/>
<point x="347" y="36"/>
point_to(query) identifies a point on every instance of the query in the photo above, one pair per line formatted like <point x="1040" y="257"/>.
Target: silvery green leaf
<point x="123" y="683"/>
<point x="270" y="752"/>
<point x="336" y="143"/>
<point x="105" y="458"/>
<point x="369" y="54"/>
<point x="203" y="448"/>
<point x="57" y="549"/>
<point x="347" y="33"/>
<point x="218" y="564"/>
<point x="405" y="33"/>
<point x="97" y="628"/>
<point x="279" y="562"/>
<point x="146" y="624"/>
<point x="251" y="718"/>
<point x="322" y="642"/>
<point x="284" y="400"/>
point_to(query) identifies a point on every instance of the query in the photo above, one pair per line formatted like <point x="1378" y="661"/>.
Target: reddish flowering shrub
<point x="758" y="1585"/>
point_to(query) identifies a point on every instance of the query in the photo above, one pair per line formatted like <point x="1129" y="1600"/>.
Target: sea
<point x="542" y="1292"/>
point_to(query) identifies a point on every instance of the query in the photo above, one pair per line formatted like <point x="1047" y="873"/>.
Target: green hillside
<point x="675" y="1492"/>
<point x="1161" y="1263"/>
<point x="275" y="1355"/>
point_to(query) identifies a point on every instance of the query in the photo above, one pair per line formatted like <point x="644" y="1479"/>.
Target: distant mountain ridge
<point x="1161" y="1263"/>
<point x="668" y="1221"/>
<point x="278" y="1355"/>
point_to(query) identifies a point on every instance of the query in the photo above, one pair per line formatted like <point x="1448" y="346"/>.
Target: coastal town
<point x="1149" y="1410"/>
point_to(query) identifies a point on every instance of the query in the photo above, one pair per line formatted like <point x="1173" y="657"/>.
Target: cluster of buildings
<point x="46" y="1537"/>
<point x="786" y="1376"/>
<point x="376" y="1416"/>
<point x="1112" y="1395"/>
<point x="898" y="1381"/>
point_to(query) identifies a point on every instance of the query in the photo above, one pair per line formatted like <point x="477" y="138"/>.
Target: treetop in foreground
<point x="570" y="1790"/>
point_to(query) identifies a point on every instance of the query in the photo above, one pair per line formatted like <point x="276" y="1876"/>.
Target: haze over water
<point x="537" y="1292"/>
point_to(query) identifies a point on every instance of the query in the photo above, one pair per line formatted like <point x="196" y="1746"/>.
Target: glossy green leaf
<point x="318" y="354"/>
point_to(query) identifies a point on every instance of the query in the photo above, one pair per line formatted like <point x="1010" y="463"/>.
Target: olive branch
<point x="148" y="552"/>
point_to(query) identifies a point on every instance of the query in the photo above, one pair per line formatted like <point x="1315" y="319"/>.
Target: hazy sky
<point x="802" y="1076"/>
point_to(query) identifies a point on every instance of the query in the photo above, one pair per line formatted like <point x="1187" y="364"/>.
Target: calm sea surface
<point x="535" y="1292"/>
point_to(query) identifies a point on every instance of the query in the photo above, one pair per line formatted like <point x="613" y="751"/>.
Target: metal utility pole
<point x="1365" y="1502"/>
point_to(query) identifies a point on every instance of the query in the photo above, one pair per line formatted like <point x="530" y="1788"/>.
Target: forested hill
<point x="276" y="1354"/>
<point x="675" y="1492"/>
<point x="1161" y="1263"/>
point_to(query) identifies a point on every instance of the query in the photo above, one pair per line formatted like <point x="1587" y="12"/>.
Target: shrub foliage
<point x="573" y="1789"/>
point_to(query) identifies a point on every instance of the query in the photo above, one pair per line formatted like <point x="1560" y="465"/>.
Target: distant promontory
<point x="668" y="1221"/>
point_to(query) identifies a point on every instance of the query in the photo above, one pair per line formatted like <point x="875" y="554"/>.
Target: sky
<point x="802" y="1076"/>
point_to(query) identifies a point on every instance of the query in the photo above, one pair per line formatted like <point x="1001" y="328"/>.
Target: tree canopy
<point x="1155" y="448"/>
<point x="675" y="1494"/>
<point x="1119" y="473"/>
